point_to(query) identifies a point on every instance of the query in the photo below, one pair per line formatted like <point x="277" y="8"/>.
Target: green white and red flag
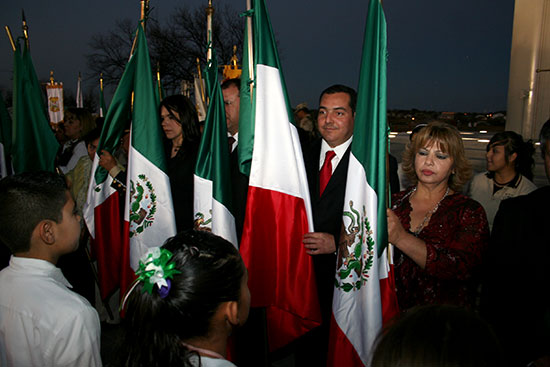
<point x="278" y="212"/>
<point x="364" y="294"/>
<point x="213" y="197"/>
<point x="149" y="216"/>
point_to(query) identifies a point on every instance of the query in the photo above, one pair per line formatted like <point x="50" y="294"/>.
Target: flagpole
<point x="144" y="8"/>
<point x="25" y="29"/>
<point x="159" y="87"/>
<point x="10" y="37"/>
<point x="200" y="81"/>
<point x="209" y="15"/>
<point x="250" y="49"/>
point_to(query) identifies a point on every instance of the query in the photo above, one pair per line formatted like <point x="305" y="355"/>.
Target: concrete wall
<point x="529" y="83"/>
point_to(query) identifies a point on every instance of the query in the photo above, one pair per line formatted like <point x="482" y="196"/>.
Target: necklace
<point x="204" y="352"/>
<point x="428" y="214"/>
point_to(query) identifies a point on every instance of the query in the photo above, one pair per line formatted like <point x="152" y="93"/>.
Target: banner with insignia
<point x="55" y="102"/>
<point x="148" y="215"/>
<point x="364" y="293"/>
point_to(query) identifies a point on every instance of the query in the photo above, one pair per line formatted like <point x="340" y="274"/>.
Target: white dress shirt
<point x="42" y="323"/>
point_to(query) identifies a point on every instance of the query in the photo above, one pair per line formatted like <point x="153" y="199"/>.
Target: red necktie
<point x="326" y="171"/>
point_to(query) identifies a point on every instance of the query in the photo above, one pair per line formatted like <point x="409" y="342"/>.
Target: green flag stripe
<point x="213" y="157"/>
<point x="34" y="144"/>
<point x="370" y="133"/>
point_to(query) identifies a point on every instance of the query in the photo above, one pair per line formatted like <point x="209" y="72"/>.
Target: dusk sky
<point x="443" y="55"/>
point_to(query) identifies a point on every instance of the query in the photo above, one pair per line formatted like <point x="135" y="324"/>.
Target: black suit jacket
<point x="516" y="283"/>
<point x="239" y="188"/>
<point x="327" y="217"/>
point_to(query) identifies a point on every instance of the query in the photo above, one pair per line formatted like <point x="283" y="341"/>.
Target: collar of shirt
<point x="38" y="267"/>
<point x="340" y="150"/>
<point x="236" y="142"/>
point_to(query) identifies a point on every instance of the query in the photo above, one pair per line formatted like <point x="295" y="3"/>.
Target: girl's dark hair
<point x="438" y="335"/>
<point x="513" y="143"/>
<point x="211" y="273"/>
<point x="188" y="118"/>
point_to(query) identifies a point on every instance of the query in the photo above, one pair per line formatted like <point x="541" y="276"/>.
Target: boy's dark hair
<point x="25" y="200"/>
<point x="339" y="88"/>
<point x="513" y="143"/>
<point x="211" y="273"/>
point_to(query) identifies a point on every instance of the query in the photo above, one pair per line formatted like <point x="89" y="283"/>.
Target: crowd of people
<point x="470" y="263"/>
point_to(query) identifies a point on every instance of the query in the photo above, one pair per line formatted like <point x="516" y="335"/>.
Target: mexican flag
<point x="34" y="143"/>
<point x="364" y="294"/>
<point x="213" y="200"/>
<point x="278" y="213"/>
<point x="149" y="215"/>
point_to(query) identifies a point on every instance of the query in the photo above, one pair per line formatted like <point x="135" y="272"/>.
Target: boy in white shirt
<point x="42" y="322"/>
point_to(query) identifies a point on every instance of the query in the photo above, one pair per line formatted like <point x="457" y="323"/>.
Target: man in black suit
<point x="515" y="292"/>
<point x="335" y="123"/>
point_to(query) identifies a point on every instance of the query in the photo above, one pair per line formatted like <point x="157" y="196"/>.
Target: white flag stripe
<point x="359" y="313"/>
<point x="270" y="164"/>
<point x="223" y="222"/>
<point x="164" y="225"/>
<point x="97" y="194"/>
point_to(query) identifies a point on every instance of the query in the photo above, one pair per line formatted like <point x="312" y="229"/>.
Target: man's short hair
<point x="339" y="88"/>
<point x="229" y="82"/>
<point x="25" y="200"/>
<point x="544" y="136"/>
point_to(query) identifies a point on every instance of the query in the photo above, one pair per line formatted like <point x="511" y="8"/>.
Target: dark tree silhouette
<point x="174" y="44"/>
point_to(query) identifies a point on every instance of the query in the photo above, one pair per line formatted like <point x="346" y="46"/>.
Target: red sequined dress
<point x="456" y="237"/>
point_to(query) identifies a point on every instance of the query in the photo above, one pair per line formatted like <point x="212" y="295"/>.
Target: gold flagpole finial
<point x="51" y="78"/>
<point x="101" y="81"/>
<point x="10" y="37"/>
<point x="25" y="28"/>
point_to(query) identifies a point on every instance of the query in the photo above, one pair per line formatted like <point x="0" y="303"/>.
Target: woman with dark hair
<point x="509" y="172"/>
<point x="77" y="123"/>
<point x="189" y="296"/>
<point x="439" y="234"/>
<point x="181" y="127"/>
<point x="438" y="335"/>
